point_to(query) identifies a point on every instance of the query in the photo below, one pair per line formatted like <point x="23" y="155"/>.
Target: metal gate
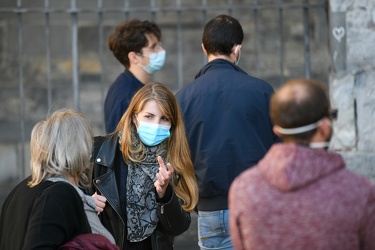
<point x="54" y="51"/>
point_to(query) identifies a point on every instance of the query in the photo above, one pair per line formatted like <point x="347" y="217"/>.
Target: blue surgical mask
<point x="152" y="134"/>
<point x="157" y="61"/>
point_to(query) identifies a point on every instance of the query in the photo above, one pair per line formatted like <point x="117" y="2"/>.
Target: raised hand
<point x="163" y="177"/>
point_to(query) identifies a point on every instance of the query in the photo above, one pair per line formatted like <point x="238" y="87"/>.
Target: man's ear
<point x="276" y="131"/>
<point x="238" y="47"/>
<point x="132" y="56"/>
<point x="325" y="129"/>
<point x="204" y="49"/>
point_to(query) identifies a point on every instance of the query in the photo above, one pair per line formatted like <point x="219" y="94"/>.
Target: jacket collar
<point x="107" y="151"/>
<point x="218" y="63"/>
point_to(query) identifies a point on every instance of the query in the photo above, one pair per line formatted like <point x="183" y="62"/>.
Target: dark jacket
<point x="228" y="127"/>
<point x="118" y="98"/>
<point x="41" y="217"/>
<point x="173" y="220"/>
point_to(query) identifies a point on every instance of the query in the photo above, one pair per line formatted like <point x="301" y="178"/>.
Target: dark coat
<point x="228" y="127"/>
<point x="42" y="217"/>
<point x="118" y="98"/>
<point x="173" y="220"/>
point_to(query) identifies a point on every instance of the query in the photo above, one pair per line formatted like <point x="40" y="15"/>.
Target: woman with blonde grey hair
<point x="47" y="209"/>
<point x="144" y="172"/>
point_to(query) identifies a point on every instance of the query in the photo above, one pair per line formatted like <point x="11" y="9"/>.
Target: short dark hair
<point x="297" y="103"/>
<point x="221" y="34"/>
<point x="131" y="36"/>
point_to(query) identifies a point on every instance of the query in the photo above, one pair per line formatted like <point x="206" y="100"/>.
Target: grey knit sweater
<point x="90" y="210"/>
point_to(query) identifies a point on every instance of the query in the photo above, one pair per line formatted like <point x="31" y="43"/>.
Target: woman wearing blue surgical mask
<point x="144" y="172"/>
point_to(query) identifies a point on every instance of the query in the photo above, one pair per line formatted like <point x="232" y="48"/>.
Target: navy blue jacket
<point x="118" y="98"/>
<point x="227" y="121"/>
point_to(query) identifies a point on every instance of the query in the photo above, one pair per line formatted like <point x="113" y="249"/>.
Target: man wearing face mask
<point x="227" y="122"/>
<point x="136" y="45"/>
<point x="300" y="196"/>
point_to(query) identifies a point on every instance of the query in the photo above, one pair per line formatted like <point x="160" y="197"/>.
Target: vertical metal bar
<point x="230" y="7"/>
<point x="75" y="59"/>
<point x="256" y="42"/>
<point x="101" y="46"/>
<point x="21" y="88"/>
<point x="152" y="12"/>
<point x="126" y="7"/>
<point x="180" y="55"/>
<point x="152" y="8"/>
<point x="307" y="38"/>
<point x="282" y="47"/>
<point x="204" y="20"/>
<point x="48" y="52"/>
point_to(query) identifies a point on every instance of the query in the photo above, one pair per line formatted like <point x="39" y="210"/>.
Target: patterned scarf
<point x="141" y="206"/>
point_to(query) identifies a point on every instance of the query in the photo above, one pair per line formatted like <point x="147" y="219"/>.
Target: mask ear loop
<point x="321" y="144"/>
<point x="141" y="64"/>
<point x="136" y="117"/>
<point x="299" y="130"/>
<point x="237" y="59"/>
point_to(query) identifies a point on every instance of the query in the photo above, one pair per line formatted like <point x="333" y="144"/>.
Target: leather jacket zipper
<point x="164" y="215"/>
<point x="118" y="214"/>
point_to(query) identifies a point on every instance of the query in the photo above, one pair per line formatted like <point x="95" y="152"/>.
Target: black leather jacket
<point x="173" y="220"/>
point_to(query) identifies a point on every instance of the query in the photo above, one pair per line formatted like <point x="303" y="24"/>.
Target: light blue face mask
<point x="152" y="134"/>
<point x="157" y="61"/>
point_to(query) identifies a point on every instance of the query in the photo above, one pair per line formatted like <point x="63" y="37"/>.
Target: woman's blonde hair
<point x="60" y="146"/>
<point x="178" y="152"/>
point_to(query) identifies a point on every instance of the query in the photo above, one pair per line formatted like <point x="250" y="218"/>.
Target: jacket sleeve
<point x="173" y="218"/>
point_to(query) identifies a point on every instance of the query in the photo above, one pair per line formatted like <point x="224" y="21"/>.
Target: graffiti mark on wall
<point x="338" y="33"/>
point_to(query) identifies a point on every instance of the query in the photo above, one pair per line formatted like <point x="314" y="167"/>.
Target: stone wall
<point x="352" y="82"/>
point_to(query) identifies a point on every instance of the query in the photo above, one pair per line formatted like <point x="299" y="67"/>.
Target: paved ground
<point x="186" y="241"/>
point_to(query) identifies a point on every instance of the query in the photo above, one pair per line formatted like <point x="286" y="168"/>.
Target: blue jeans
<point x="213" y="230"/>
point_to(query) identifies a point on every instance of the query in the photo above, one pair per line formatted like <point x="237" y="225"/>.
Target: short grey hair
<point x="60" y="146"/>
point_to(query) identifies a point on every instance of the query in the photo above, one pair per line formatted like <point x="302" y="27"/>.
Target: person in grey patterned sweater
<point x="301" y="196"/>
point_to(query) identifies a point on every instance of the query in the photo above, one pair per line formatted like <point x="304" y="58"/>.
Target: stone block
<point x="342" y="98"/>
<point x="365" y="99"/>
<point x="360" y="35"/>
<point x="339" y="5"/>
<point x="361" y="163"/>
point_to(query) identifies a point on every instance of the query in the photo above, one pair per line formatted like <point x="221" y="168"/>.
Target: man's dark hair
<point x="297" y="103"/>
<point x="221" y="34"/>
<point x="131" y="37"/>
